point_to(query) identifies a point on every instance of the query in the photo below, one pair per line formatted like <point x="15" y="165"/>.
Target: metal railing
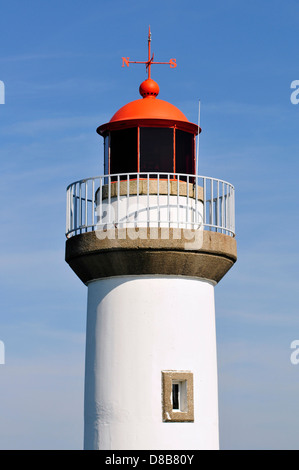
<point x="150" y="199"/>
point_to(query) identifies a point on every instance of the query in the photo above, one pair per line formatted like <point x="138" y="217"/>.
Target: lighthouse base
<point x="141" y="329"/>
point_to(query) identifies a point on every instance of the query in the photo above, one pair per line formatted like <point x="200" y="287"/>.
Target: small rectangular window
<point x="177" y="396"/>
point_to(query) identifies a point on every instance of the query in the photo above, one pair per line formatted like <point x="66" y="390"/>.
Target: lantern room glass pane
<point x="156" y="149"/>
<point x="123" y="151"/>
<point x="184" y="152"/>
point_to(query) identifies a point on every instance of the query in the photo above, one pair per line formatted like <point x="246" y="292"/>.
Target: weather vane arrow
<point x="126" y="60"/>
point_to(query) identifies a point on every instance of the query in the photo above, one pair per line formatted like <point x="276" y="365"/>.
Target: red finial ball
<point x="149" y="88"/>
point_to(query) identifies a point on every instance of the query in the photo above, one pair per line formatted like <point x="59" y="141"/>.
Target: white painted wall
<point x="136" y="328"/>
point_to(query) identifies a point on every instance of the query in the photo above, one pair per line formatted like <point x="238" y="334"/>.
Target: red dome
<point x="149" y="108"/>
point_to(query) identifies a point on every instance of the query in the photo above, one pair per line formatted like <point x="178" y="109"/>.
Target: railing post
<point x="211" y="203"/>
<point x="204" y="201"/>
<point x="75" y="209"/>
<point x="178" y="201"/>
<point x="147" y="200"/>
<point x="118" y="191"/>
<point x="195" y="218"/>
<point x="168" y="201"/>
<point x="128" y="195"/>
<point x="158" y="200"/>
<point x="86" y="208"/>
<point x="187" y="221"/>
<point x="92" y="204"/>
<point x="100" y="212"/>
<point x="217" y="205"/>
<point x="137" y="218"/>
<point x="109" y="201"/>
<point x="67" y="221"/>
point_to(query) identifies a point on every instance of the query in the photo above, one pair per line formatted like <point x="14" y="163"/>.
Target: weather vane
<point x="126" y="60"/>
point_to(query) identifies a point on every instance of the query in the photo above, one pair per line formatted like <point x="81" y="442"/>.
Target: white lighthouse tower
<point x="150" y="239"/>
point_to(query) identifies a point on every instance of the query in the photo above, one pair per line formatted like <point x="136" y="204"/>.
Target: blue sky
<point x="61" y="66"/>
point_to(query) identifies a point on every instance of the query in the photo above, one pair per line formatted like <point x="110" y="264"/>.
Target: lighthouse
<point x="151" y="239"/>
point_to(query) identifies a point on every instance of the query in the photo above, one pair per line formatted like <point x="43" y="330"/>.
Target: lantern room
<point x="149" y="135"/>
